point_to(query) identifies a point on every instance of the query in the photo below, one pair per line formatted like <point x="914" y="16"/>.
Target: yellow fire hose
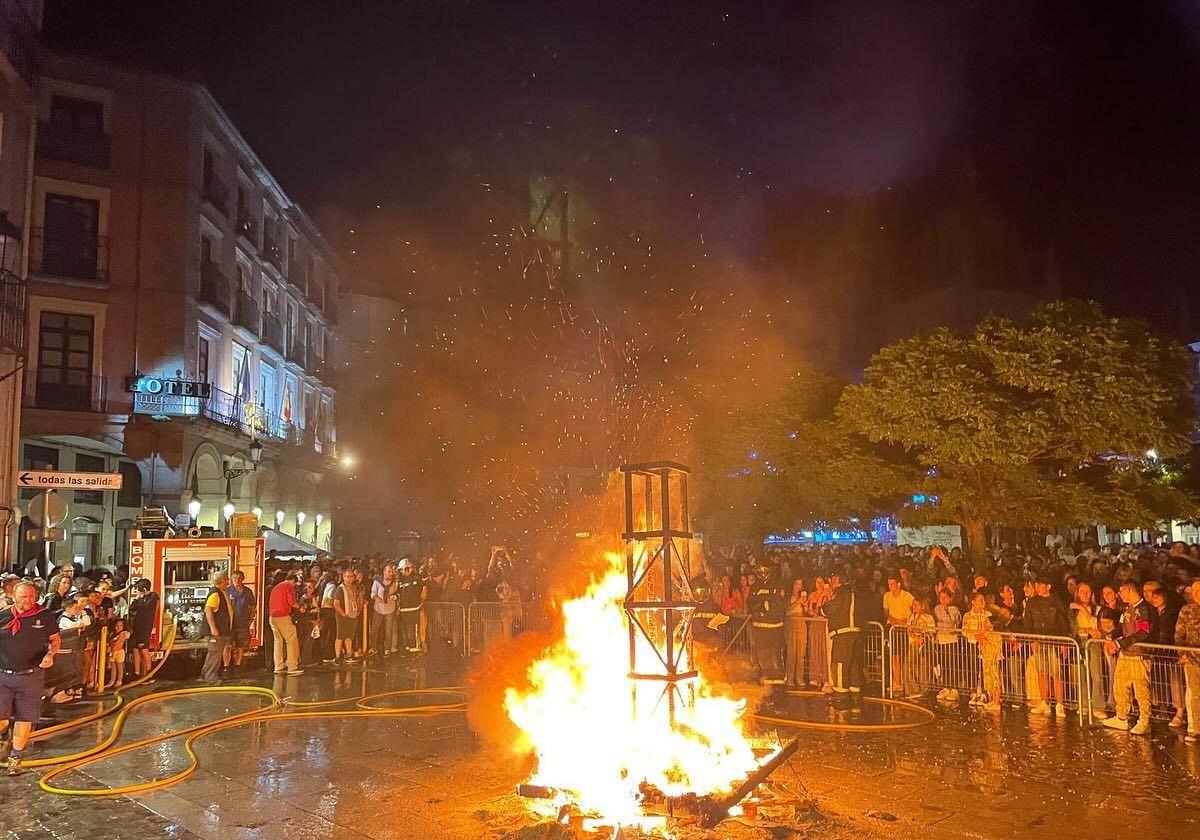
<point x="49" y="731"/>
<point x="364" y="707"/>
<point x="67" y="763"/>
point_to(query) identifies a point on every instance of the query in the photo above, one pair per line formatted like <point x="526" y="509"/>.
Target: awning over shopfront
<point x="285" y="545"/>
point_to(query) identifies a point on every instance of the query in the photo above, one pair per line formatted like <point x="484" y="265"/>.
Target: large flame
<point x="578" y="717"/>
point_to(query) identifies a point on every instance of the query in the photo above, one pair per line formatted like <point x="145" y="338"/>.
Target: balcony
<point x="248" y="418"/>
<point x="216" y="193"/>
<point x="67" y="144"/>
<point x="247" y="228"/>
<point x="65" y="390"/>
<point x="272" y="332"/>
<point x="14" y="334"/>
<point x="271" y="252"/>
<point x="214" y="287"/>
<point x="298" y="353"/>
<point x="324" y="370"/>
<point x="70" y="256"/>
<point x="245" y="312"/>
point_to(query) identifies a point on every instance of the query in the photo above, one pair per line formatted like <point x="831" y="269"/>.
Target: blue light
<point x="919" y="498"/>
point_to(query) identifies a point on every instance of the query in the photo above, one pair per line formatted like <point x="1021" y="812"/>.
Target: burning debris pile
<point x="625" y="730"/>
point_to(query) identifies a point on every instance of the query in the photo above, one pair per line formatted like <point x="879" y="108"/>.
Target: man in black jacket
<point x="1046" y="616"/>
<point x="1132" y="672"/>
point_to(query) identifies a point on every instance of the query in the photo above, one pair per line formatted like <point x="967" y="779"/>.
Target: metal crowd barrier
<point x="1166" y="681"/>
<point x="444" y="623"/>
<point x="67" y="670"/>
<point x="492" y="621"/>
<point x="1020" y="667"/>
<point x="736" y="638"/>
<point x="875" y="652"/>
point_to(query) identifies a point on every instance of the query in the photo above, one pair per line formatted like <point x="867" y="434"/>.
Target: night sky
<point x="1079" y="118"/>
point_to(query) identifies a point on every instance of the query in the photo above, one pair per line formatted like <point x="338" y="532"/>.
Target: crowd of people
<point x="989" y="631"/>
<point x="994" y="628"/>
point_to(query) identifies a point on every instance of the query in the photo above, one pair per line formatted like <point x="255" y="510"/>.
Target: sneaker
<point x="1099" y="717"/>
<point x="1191" y="738"/>
<point x="329" y="661"/>
<point x="953" y="695"/>
<point x="1142" y="727"/>
<point x="1176" y="722"/>
<point x="1042" y="708"/>
<point x="941" y="695"/>
<point x="1060" y="711"/>
<point x="12" y="765"/>
<point x="281" y="670"/>
<point x="1117" y="723"/>
<point x="297" y="672"/>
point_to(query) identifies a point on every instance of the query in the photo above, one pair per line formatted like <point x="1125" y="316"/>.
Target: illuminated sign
<point x="166" y="397"/>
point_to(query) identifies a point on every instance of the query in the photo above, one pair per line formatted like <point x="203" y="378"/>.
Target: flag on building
<point x="285" y="411"/>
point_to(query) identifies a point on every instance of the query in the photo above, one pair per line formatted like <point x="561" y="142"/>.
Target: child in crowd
<point x="118" y="638"/>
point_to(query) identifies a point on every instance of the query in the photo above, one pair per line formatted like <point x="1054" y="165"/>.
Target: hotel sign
<point x="167" y="397"/>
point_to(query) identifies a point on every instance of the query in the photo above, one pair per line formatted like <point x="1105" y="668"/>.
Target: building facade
<point x="20" y="21"/>
<point x="181" y="309"/>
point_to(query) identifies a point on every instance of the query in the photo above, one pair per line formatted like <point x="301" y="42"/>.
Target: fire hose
<point x="279" y="708"/>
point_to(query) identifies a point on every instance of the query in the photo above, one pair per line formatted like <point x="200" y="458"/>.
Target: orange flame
<point x="577" y="716"/>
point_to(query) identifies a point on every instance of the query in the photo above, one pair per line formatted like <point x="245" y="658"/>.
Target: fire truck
<point x="180" y="571"/>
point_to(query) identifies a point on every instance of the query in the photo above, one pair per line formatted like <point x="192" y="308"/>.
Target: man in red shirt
<point x="287" y="642"/>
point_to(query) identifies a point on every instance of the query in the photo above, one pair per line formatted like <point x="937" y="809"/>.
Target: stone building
<point x="181" y="313"/>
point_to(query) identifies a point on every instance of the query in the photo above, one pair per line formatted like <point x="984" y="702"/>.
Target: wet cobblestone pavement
<point x="967" y="774"/>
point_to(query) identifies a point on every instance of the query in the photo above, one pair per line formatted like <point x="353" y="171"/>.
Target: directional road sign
<point x="47" y="509"/>
<point x="69" y="480"/>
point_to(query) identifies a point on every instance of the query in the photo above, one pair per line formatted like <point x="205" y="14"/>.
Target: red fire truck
<point x="180" y="570"/>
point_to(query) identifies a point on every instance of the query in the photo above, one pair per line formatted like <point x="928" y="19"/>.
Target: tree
<point x="785" y="462"/>
<point x="1036" y="423"/>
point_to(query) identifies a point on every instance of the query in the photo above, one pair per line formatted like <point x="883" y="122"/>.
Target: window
<point x="64" y="374"/>
<point x="202" y="360"/>
<point x="35" y="457"/>
<point x="122" y="532"/>
<point x="243" y="277"/>
<point x="208" y="251"/>
<point x="241" y="365"/>
<point x="268" y="299"/>
<point x="80" y="115"/>
<point x="71" y="237"/>
<point x="130" y="494"/>
<point x="243" y="205"/>
<point x="210" y="166"/>
<point x="89" y="463"/>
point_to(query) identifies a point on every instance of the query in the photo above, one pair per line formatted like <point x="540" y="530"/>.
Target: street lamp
<point x="257" y="511"/>
<point x="299" y="521"/>
<point x="348" y="460"/>
<point x="194" y="507"/>
<point x="278" y="519"/>
<point x="228" y="509"/>
<point x="317" y="527"/>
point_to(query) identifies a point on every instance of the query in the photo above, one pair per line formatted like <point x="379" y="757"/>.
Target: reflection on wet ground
<point x="965" y="774"/>
<point x="981" y="774"/>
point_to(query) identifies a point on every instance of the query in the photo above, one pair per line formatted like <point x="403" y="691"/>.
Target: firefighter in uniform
<point x="766" y="606"/>
<point x="410" y="591"/>
<point x="707" y="620"/>
<point x="845" y="634"/>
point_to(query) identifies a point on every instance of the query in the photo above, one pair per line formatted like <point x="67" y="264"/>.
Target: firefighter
<point x="845" y="634"/>
<point x="411" y="594"/>
<point x="767" y="605"/>
<point x="707" y="619"/>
